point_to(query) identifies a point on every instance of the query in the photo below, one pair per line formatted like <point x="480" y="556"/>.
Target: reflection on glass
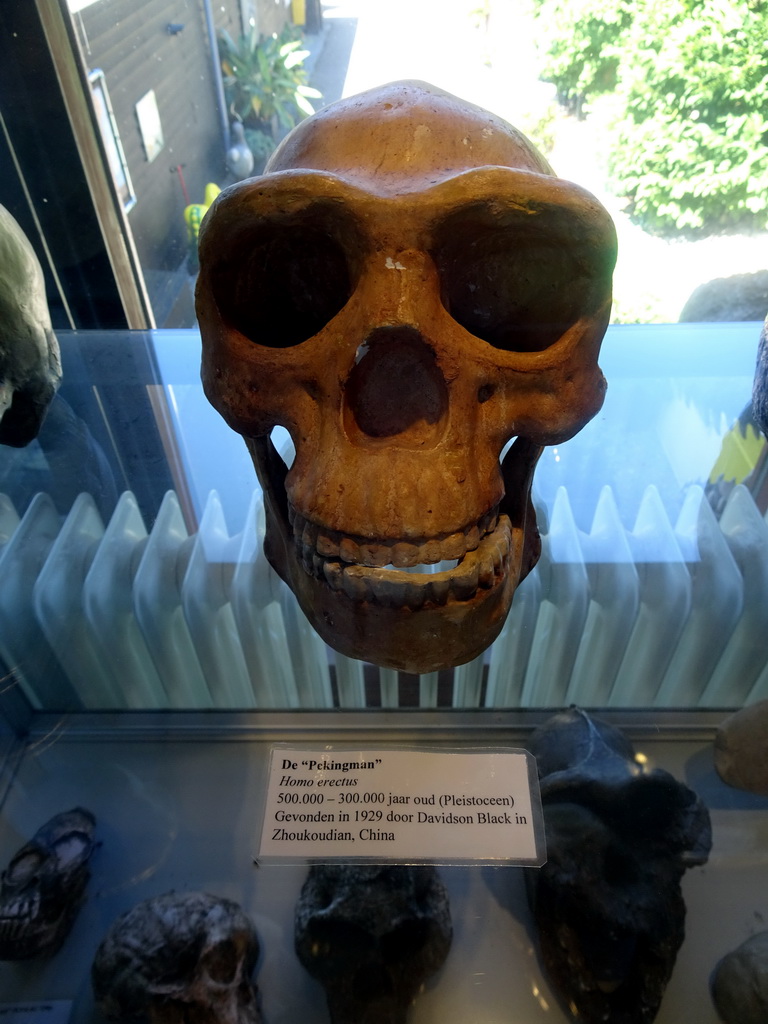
<point x="111" y="137"/>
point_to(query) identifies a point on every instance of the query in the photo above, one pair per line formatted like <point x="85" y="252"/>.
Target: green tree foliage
<point x="581" y="43"/>
<point x="691" y="150"/>
<point x="689" y="147"/>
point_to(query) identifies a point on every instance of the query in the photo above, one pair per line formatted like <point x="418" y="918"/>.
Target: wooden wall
<point x="270" y="16"/>
<point x="129" y="41"/>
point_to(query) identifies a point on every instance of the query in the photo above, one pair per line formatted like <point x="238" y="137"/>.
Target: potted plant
<point x="265" y="82"/>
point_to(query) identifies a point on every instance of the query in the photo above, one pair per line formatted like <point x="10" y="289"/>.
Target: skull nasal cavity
<point x="396" y="389"/>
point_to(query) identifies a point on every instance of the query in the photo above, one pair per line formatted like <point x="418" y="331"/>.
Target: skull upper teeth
<point x="313" y="539"/>
<point x="416" y="583"/>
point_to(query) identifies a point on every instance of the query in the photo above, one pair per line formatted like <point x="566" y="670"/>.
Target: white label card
<point x="36" y="1011"/>
<point x="403" y="805"/>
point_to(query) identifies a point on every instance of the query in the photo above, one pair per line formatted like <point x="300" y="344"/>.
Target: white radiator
<point x="663" y="614"/>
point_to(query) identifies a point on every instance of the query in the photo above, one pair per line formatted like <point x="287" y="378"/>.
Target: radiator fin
<point x="116" y="616"/>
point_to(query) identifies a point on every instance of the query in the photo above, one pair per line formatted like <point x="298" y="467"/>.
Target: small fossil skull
<point x="42" y="888"/>
<point x="740" y="983"/>
<point x="607" y="904"/>
<point x="406" y="289"/>
<point x="372" y="936"/>
<point x="179" y="957"/>
<point x="30" y="367"/>
<point x="741" y="757"/>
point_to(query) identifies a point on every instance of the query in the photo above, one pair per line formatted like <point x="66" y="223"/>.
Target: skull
<point x="372" y="936"/>
<point x="608" y="904"/>
<point x="741" y="757"/>
<point x="760" y="383"/>
<point x="42" y="888"/>
<point x="30" y="367"/>
<point x="405" y="290"/>
<point x="180" y="956"/>
<point x="740" y="982"/>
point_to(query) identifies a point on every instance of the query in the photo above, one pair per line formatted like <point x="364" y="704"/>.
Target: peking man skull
<point x="406" y="289"/>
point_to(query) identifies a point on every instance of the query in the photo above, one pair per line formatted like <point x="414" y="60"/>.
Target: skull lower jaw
<point x="422" y="639"/>
<point x="22" y="936"/>
<point x="369" y="1008"/>
<point x="411" y="622"/>
<point x="235" y="1005"/>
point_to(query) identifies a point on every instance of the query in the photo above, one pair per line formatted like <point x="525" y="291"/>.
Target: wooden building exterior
<point x="113" y="255"/>
<point x="166" y="47"/>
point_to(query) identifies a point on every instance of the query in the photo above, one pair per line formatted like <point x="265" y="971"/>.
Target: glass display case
<point x="197" y="793"/>
<point x="153" y="659"/>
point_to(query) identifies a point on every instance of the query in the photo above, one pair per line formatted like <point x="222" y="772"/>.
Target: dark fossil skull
<point x="42" y="888"/>
<point x="372" y="936"/>
<point x="607" y="904"/>
<point x="179" y="957"/>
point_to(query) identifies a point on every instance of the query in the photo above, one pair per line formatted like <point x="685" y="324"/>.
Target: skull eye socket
<point x="221" y="962"/>
<point x="619" y="867"/>
<point x="406" y="941"/>
<point x="25" y="870"/>
<point x="517" y="286"/>
<point x="338" y="945"/>
<point x="284" y="278"/>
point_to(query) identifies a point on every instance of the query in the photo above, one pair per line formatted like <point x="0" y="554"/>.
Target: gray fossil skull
<point x="372" y="936"/>
<point x="30" y="365"/>
<point x="406" y="289"/>
<point x="179" y="957"/>
<point x="608" y="907"/>
<point x="760" y="383"/>
<point x="740" y="982"/>
<point x="42" y="888"/>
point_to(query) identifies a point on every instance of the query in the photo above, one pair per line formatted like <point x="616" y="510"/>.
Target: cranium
<point x="608" y="904"/>
<point x="30" y="366"/>
<point x="42" y="888"/>
<point x="406" y="289"/>
<point x="179" y="957"/>
<point x="372" y="935"/>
